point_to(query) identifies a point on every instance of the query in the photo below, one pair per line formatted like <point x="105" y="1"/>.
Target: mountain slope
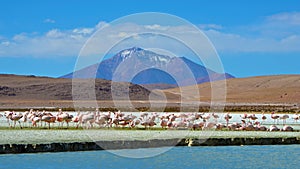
<point x="13" y="87"/>
<point x="261" y="89"/>
<point x="28" y="91"/>
<point x="146" y="67"/>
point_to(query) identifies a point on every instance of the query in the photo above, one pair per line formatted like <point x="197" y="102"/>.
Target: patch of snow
<point x="162" y="59"/>
<point x="126" y="54"/>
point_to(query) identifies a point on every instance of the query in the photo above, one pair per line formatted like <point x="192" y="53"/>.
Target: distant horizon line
<point x="45" y="76"/>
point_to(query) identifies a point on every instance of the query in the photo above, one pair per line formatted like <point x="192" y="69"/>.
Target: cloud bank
<point x="276" y="33"/>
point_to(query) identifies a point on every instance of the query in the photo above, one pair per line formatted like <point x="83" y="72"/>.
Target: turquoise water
<point x="279" y="156"/>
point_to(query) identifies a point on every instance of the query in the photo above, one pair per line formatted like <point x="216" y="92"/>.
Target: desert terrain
<point x="44" y="92"/>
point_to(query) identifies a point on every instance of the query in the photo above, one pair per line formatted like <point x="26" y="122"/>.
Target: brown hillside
<point x="262" y="89"/>
<point x="13" y="87"/>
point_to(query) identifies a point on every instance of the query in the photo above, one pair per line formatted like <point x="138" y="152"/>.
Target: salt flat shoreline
<point x="135" y="144"/>
<point x="34" y="141"/>
<point x="172" y="106"/>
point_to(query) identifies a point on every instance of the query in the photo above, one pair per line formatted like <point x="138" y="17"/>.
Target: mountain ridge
<point x="141" y="66"/>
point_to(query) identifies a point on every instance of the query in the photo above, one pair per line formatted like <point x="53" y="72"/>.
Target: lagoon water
<point x="277" y="156"/>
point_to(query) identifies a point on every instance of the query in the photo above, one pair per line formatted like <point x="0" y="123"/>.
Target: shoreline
<point x="135" y="144"/>
<point x="173" y="106"/>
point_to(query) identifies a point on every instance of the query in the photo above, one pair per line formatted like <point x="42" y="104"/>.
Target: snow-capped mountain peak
<point x="152" y="68"/>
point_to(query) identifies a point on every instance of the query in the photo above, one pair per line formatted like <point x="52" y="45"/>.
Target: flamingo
<point x="216" y="117"/>
<point x="145" y="123"/>
<point x="273" y="128"/>
<point x="124" y="123"/>
<point x="163" y="123"/>
<point x="206" y="116"/>
<point x="274" y="117"/>
<point x="147" y="120"/>
<point x="15" y="117"/>
<point x="61" y="117"/>
<point x="189" y="124"/>
<point x="152" y="123"/>
<point x="170" y="124"/>
<point x="48" y="119"/>
<point x="208" y="126"/>
<point x="196" y="126"/>
<point x="7" y="115"/>
<point x="287" y="128"/>
<point x="227" y="117"/>
<point x="197" y="116"/>
<point x="219" y="126"/>
<point x="171" y="117"/>
<point x="34" y="120"/>
<point x="86" y="119"/>
<point x="244" y="116"/>
<point x="75" y="119"/>
<point x="234" y="126"/>
<point x="179" y="124"/>
<point x="101" y="121"/>
<point x="249" y="127"/>
<point x="295" y="117"/>
<point x="135" y="122"/>
<point x="114" y="121"/>
<point x="261" y="128"/>
<point x="283" y="118"/>
<point x="252" y="117"/>
<point x="69" y="119"/>
<point x="183" y="116"/>
<point x="24" y="118"/>
<point x="263" y="117"/>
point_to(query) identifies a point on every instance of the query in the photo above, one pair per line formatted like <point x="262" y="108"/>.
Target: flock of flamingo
<point x="193" y="121"/>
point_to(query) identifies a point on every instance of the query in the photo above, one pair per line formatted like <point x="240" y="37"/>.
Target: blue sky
<point x="252" y="37"/>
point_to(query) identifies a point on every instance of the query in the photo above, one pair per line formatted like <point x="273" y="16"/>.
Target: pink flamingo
<point x="262" y="128"/>
<point x="253" y="117"/>
<point x="219" y="126"/>
<point x="135" y="122"/>
<point x="273" y="128"/>
<point x="274" y="117"/>
<point x="227" y="117"/>
<point x="295" y="117"/>
<point x="7" y="115"/>
<point x="206" y="116"/>
<point x="15" y="117"/>
<point x="216" y="117"/>
<point x="170" y="124"/>
<point x="86" y="119"/>
<point x="244" y="116"/>
<point x="48" y="119"/>
<point x="61" y="117"/>
<point x="208" y="126"/>
<point x="34" y="120"/>
<point x="263" y="117"/>
<point x="283" y="118"/>
<point x="163" y="123"/>
<point x="287" y="128"/>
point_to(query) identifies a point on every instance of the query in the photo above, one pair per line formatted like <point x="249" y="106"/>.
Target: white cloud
<point x="19" y="37"/>
<point x="157" y="27"/>
<point x="291" y="18"/>
<point x="210" y="26"/>
<point x="84" y="31"/>
<point x="277" y="33"/>
<point x="48" y="20"/>
<point x="55" y="33"/>
<point x="5" y="43"/>
<point x="101" y="25"/>
<point x="225" y="42"/>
